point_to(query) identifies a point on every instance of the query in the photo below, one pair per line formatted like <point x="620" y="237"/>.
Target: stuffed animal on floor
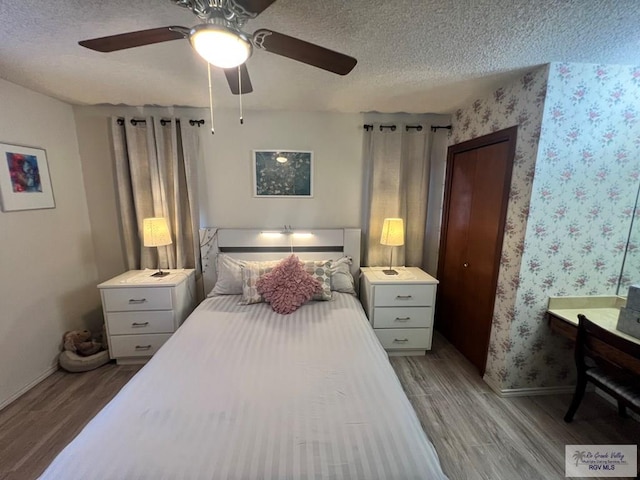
<point x="82" y="351"/>
<point x="81" y="342"/>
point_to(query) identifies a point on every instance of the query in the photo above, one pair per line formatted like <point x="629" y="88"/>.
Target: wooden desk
<point x="602" y="310"/>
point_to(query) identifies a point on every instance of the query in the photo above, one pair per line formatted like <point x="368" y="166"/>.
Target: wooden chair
<point x="614" y="367"/>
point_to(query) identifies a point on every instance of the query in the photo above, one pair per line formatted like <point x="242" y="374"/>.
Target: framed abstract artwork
<point x="282" y="173"/>
<point x="24" y="178"/>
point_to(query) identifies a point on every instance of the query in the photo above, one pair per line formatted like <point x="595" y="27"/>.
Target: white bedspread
<point x="240" y="392"/>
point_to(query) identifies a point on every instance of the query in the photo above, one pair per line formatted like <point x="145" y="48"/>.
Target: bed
<point x="242" y="392"/>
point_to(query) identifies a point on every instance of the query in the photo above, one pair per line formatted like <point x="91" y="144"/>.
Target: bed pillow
<point x="341" y="278"/>
<point x="251" y="273"/>
<point x="288" y="286"/>
<point x="229" y="273"/>
<point x="321" y="271"/>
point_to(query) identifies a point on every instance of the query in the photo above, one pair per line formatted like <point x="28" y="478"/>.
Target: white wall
<point x="47" y="263"/>
<point x="225" y="174"/>
<point x="47" y="257"/>
<point x="96" y="153"/>
<point x="336" y="141"/>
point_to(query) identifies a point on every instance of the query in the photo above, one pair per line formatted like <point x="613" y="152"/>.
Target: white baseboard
<point x="527" y="392"/>
<point x="29" y="386"/>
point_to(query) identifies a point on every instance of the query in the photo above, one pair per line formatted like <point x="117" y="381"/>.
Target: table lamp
<point x="155" y="232"/>
<point x="392" y="236"/>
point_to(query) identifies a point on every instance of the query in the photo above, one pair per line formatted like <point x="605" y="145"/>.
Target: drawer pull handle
<point x="400" y="340"/>
<point x="137" y="301"/>
<point x="403" y="319"/>
<point x="143" y="347"/>
<point x="403" y="297"/>
<point x="139" y="324"/>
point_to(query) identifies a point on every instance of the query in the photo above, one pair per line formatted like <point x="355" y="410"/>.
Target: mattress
<point x="241" y="392"/>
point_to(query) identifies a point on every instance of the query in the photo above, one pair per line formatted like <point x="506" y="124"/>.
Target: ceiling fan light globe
<point x="220" y="46"/>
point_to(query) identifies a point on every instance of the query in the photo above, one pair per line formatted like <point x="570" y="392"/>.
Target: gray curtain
<point x="397" y="165"/>
<point x="156" y="177"/>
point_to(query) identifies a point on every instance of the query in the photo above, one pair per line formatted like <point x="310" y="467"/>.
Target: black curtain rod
<point x="163" y="121"/>
<point x="382" y="127"/>
<point x="368" y="127"/>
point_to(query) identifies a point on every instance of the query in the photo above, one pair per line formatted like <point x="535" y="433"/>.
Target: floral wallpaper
<point x="586" y="181"/>
<point x="520" y="103"/>
<point x="573" y="191"/>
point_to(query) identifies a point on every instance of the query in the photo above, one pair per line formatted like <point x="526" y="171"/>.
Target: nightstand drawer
<point x="131" y="299"/>
<point x="137" y="345"/>
<point x="404" y="338"/>
<point x="135" y="323"/>
<point x="403" y="295"/>
<point x="402" y="317"/>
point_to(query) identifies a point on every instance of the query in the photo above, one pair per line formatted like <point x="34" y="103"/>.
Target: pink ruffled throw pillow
<point x="288" y="286"/>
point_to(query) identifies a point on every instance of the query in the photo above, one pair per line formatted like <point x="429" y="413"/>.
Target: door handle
<point x="465" y="265"/>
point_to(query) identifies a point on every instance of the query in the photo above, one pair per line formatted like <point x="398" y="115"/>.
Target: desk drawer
<point x="137" y="345"/>
<point x="132" y="299"/>
<point x="404" y="295"/>
<point x="405" y="338"/>
<point x="402" y="317"/>
<point x="135" y="323"/>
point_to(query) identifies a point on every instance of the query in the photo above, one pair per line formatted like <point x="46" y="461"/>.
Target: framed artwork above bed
<point x="282" y="173"/>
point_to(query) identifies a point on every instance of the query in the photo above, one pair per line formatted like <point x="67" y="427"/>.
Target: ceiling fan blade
<point x="255" y="6"/>
<point x="135" y="39"/>
<point x="232" y="78"/>
<point x="304" y="52"/>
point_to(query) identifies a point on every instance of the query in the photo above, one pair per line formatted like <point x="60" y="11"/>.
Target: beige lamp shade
<point x="156" y="232"/>
<point x="392" y="232"/>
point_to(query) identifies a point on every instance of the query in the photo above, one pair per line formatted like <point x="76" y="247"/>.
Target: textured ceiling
<point x="420" y="56"/>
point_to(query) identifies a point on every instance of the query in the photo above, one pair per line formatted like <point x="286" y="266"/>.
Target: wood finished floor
<point x="477" y="434"/>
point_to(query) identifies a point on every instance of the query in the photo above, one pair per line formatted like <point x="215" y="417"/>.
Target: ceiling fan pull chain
<point x="240" y="93"/>
<point x="210" y="98"/>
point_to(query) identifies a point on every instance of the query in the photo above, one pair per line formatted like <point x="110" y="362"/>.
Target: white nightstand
<point x="141" y="312"/>
<point x="400" y="308"/>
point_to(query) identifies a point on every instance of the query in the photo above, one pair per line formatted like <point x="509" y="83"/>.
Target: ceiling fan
<point x="221" y="41"/>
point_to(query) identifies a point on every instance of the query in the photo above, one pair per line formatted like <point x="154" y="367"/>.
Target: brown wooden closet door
<point x="478" y="180"/>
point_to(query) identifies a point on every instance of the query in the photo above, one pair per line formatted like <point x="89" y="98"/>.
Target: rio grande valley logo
<point x="600" y="460"/>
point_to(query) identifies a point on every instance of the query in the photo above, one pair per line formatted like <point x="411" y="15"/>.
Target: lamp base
<point x="160" y="273"/>
<point x="389" y="272"/>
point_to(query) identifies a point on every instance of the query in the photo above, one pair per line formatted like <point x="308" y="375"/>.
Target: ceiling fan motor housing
<point x="227" y="9"/>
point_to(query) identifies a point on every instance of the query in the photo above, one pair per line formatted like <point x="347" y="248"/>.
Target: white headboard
<point x="266" y="244"/>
